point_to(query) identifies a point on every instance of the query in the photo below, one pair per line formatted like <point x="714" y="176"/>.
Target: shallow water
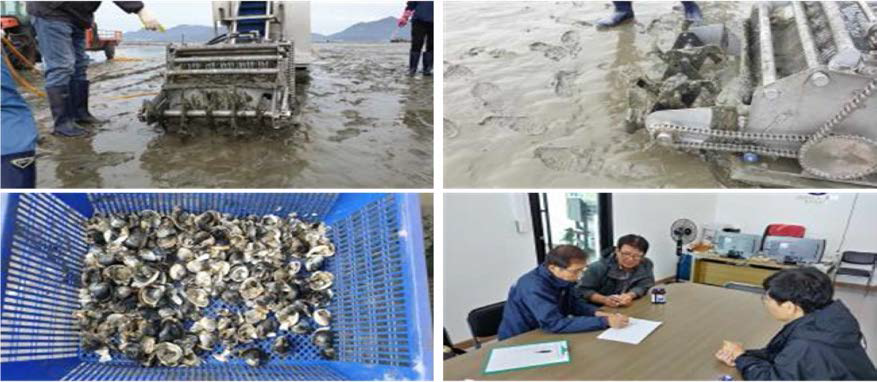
<point x="364" y="124"/>
<point x="535" y="96"/>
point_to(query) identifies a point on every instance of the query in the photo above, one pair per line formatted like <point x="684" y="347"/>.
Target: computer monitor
<point x="743" y="244"/>
<point x="796" y="249"/>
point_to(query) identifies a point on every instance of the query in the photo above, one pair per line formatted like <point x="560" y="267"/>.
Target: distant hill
<point x="372" y="31"/>
<point x="187" y="33"/>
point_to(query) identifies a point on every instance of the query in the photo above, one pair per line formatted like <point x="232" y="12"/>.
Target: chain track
<point x="806" y="141"/>
<point x="828" y="127"/>
<point x="732" y="135"/>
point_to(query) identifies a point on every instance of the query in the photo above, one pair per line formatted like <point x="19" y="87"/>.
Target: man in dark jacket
<point x="421" y="31"/>
<point x="821" y="340"/>
<point x="545" y="298"/>
<point x="60" y="27"/>
<point x="620" y="277"/>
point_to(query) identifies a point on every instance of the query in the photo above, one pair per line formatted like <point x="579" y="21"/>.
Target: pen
<point x="543" y="351"/>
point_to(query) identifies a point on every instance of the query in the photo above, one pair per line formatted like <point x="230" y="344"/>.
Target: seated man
<point x="546" y="298"/>
<point x="821" y="339"/>
<point x="620" y="277"/>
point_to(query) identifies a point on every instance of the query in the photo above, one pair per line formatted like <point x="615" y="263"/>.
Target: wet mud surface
<point x="546" y="108"/>
<point x="364" y="124"/>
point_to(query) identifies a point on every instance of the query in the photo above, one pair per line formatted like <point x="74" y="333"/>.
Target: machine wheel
<point x="840" y="157"/>
<point x="110" y="51"/>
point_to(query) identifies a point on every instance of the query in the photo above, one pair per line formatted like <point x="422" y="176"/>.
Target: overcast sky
<point x="327" y="17"/>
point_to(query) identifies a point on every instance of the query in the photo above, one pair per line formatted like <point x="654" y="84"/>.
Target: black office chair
<point x="450" y="350"/>
<point x="484" y="322"/>
<point x="858" y="258"/>
<point x="744" y="287"/>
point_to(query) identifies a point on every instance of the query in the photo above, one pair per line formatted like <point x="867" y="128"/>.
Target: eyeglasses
<point x="630" y="255"/>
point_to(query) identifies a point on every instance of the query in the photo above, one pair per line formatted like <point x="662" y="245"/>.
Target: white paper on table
<point x="526" y="356"/>
<point x="635" y="332"/>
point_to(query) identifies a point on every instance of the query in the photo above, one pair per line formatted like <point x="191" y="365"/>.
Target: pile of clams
<point x="149" y="279"/>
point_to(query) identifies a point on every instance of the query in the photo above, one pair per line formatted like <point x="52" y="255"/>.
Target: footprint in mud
<point x="354" y="119"/>
<point x="524" y="125"/>
<point x="472" y="52"/>
<point x="569" y="159"/>
<point x="345" y="134"/>
<point x="572" y="41"/>
<point x="455" y="71"/>
<point x="490" y="95"/>
<point x="564" y="83"/>
<point x="502" y="53"/>
<point x="552" y="52"/>
<point x="451" y="130"/>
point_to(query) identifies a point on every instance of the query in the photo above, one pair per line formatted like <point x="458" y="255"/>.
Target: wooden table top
<point x="695" y="320"/>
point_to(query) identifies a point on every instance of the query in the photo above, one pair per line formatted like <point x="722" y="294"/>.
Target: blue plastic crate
<point x="380" y="311"/>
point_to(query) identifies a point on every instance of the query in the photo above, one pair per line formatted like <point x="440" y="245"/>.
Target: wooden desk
<point x="716" y="270"/>
<point x="695" y="320"/>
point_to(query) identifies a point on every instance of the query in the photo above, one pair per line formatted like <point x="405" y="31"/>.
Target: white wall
<point x="825" y="217"/>
<point x="484" y="253"/>
<point x="650" y="216"/>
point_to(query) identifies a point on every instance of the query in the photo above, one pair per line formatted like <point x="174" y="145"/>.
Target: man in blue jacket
<point x="546" y="298"/>
<point x="421" y="31"/>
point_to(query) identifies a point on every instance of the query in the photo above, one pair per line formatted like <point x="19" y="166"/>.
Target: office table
<point x="717" y="270"/>
<point x="695" y="320"/>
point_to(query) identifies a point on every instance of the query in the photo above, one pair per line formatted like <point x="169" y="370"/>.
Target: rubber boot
<point x="692" y="12"/>
<point x="59" y="103"/>
<point x="623" y="13"/>
<point x="427" y="63"/>
<point x="412" y="63"/>
<point x="79" y="98"/>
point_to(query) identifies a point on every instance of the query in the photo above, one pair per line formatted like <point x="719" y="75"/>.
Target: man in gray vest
<point x="621" y="276"/>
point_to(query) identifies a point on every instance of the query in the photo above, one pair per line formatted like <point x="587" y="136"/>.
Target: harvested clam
<point x="314" y="262"/>
<point x="322" y="317"/>
<point x="198" y="297"/>
<point x="254" y="356"/>
<point x="146" y="274"/>
<point x="120" y="274"/>
<point x="320" y="280"/>
<point x="251" y="288"/>
<point x="168" y="353"/>
<point x="322" y="338"/>
<point x="177" y="272"/>
<point x="281" y="345"/>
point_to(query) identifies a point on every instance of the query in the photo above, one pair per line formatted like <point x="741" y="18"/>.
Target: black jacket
<point x="78" y="13"/>
<point x="606" y="277"/>
<point x="422" y="10"/>
<point x="541" y="301"/>
<point x="822" y="345"/>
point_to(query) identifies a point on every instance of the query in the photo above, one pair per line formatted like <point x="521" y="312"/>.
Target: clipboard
<point x="527" y="356"/>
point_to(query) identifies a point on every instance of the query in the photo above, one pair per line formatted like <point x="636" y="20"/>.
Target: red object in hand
<point x="405" y="16"/>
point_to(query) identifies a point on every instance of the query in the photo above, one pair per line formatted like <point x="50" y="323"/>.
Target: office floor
<point x="865" y="310"/>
